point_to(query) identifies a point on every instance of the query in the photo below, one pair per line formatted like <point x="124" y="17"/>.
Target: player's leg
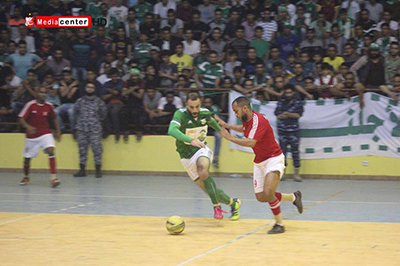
<point x="216" y="149"/>
<point x="216" y="195"/>
<point x="97" y="148"/>
<point x="83" y="144"/>
<point x="294" y="146"/>
<point x="268" y="195"/>
<point x="48" y="145"/>
<point x="31" y="149"/>
<point x="27" y="163"/>
<point x="283" y="143"/>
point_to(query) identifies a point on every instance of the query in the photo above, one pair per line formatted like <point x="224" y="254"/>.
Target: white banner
<point x="338" y="128"/>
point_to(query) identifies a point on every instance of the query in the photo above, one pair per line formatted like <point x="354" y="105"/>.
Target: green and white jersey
<point x="184" y="128"/>
<point x="209" y="73"/>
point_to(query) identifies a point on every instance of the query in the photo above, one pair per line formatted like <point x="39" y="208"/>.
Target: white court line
<point x="38" y="201"/>
<point x="191" y="198"/>
<point x="225" y="244"/>
<point x="39" y="214"/>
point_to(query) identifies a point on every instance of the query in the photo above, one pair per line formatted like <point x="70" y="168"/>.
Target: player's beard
<point x="195" y="115"/>
<point x="244" y="117"/>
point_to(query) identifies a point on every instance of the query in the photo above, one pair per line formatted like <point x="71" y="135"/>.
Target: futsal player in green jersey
<point x="189" y="127"/>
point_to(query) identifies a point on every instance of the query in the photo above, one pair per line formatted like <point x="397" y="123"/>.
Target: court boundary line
<point x="256" y="230"/>
<point x="185" y="198"/>
<point x="40" y="214"/>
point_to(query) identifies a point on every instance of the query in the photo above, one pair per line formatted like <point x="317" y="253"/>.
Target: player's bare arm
<point x="245" y="142"/>
<point x="29" y="128"/>
<point x="222" y="123"/>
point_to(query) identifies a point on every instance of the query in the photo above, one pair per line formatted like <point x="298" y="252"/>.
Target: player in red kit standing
<point x="269" y="163"/>
<point x="34" y="117"/>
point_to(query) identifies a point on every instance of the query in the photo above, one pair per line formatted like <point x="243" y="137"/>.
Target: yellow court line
<point x="256" y="230"/>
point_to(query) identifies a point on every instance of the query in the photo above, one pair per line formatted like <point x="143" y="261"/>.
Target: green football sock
<point x="225" y="199"/>
<point x="211" y="187"/>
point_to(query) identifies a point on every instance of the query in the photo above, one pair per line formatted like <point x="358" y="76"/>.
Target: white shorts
<point x="262" y="169"/>
<point x="190" y="164"/>
<point x="32" y="146"/>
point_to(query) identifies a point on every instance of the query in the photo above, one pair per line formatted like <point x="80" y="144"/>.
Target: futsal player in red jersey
<point x="269" y="162"/>
<point x="34" y="117"/>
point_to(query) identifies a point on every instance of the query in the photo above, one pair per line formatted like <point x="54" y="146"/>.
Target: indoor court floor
<point x="120" y="220"/>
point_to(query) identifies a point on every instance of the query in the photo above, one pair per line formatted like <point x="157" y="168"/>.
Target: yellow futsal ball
<point x="175" y="225"/>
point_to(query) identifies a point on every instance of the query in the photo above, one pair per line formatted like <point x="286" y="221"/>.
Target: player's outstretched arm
<point x="29" y="128"/>
<point x="174" y="131"/>
<point x="242" y="142"/>
<point x="222" y="123"/>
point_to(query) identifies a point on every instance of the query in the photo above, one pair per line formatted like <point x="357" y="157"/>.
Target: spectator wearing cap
<point x="287" y="42"/>
<point x="371" y="68"/>
<point x="218" y="44"/>
<point x="142" y="8"/>
<point x="180" y="59"/>
<point x="23" y="61"/>
<point x="311" y="44"/>
<point x="346" y="24"/>
<point x="142" y="50"/>
<point x="69" y="93"/>
<point x="288" y="110"/>
<point x="175" y="24"/>
<point x="385" y="41"/>
<point x="132" y="25"/>
<point x="161" y="8"/>
<point x="321" y="26"/>
<point x="190" y="47"/>
<point x="132" y="96"/>
<point x="270" y="27"/>
<point x="168" y="72"/>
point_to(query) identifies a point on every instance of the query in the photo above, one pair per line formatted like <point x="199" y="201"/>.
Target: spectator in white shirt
<point x="161" y="8"/>
<point x="119" y="11"/>
<point x="191" y="47"/>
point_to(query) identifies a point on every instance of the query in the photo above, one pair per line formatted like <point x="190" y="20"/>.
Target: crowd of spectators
<point x="147" y="56"/>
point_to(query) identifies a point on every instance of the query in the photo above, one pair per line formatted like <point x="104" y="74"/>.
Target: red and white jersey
<point x="258" y="128"/>
<point x="36" y="115"/>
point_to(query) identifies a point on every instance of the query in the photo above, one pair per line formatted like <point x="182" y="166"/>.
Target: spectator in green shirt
<point x="262" y="47"/>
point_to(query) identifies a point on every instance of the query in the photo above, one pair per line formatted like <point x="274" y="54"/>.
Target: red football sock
<point x="278" y="195"/>
<point x="52" y="161"/>
<point x="275" y="207"/>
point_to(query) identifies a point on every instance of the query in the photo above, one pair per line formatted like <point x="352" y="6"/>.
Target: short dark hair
<point x="289" y="87"/>
<point x="90" y="82"/>
<point x="242" y="101"/>
<point x="193" y="96"/>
